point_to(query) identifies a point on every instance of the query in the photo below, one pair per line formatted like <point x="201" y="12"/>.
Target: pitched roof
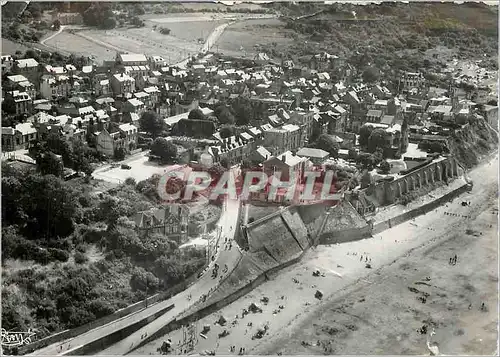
<point x="132" y="57"/>
<point x="311" y="152"/>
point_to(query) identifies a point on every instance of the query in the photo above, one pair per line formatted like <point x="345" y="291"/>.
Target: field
<point x="246" y="37"/>
<point x="9" y="47"/>
<point x="81" y="46"/>
<point x="188" y="33"/>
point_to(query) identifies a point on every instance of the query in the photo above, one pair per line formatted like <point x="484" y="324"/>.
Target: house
<point x="18" y="137"/>
<point x="22" y="101"/>
<point x="102" y="87"/>
<point x="52" y="87"/>
<point x="7" y="63"/>
<point x="154" y="95"/>
<point x="286" y="163"/>
<point x="122" y="83"/>
<point x="170" y="220"/>
<point x="131" y="59"/>
<point x="388" y="120"/>
<point x="412" y="80"/>
<point x="134" y="105"/>
<point x="234" y="149"/>
<point x="316" y="156"/>
<point x="286" y="138"/>
<point x="27" y="67"/>
<point x="491" y="113"/>
<point x="125" y="137"/>
<point x="157" y="62"/>
<point x="373" y="116"/>
<point x="22" y="84"/>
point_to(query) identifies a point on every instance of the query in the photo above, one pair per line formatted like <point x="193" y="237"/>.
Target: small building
<point x="18" y="137"/>
<point x="316" y="156"/>
<point x="285" y="163"/>
<point x="170" y="220"/>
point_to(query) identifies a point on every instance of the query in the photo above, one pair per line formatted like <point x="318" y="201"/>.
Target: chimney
<point x="283" y="158"/>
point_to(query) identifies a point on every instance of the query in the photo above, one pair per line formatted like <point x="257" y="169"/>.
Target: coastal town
<point x="88" y="147"/>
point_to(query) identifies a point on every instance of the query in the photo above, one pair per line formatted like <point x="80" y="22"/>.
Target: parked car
<point x="125" y="167"/>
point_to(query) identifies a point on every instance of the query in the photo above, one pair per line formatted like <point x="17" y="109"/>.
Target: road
<point x="203" y="286"/>
<point x="209" y="43"/>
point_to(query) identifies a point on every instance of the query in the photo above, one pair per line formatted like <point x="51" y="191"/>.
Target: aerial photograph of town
<point x="249" y="178"/>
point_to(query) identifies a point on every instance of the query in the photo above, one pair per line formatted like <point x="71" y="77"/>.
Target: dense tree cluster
<point x="49" y="221"/>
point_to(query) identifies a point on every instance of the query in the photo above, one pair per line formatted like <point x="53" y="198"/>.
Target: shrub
<point x="144" y="281"/>
<point x="58" y="254"/>
<point x="80" y="258"/>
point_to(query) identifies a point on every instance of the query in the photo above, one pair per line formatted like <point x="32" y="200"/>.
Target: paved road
<point x="209" y="43"/>
<point x="203" y="286"/>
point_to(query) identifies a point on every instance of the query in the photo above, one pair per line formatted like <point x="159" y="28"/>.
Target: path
<point x="61" y="29"/>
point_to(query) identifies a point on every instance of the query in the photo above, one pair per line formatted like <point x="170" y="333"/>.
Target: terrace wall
<point x="387" y="192"/>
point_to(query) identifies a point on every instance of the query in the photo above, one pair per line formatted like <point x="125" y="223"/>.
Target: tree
<point x="151" y="123"/>
<point x="119" y="154"/>
<point x="364" y="133"/>
<point x="165" y="149"/>
<point x="143" y="280"/>
<point x="385" y="167"/>
<point x="9" y="105"/>
<point x="371" y="74"/>
<point x="377" y="139"/>
<point x="328" y="143"/>
<point x="57" y="25"/>
<point x="165" y="31"/>
<point x="226" y="131"/>
<point x="196" y="114"/>
<point x="224" y="115"/>
<point x="50" y="164"/>
<point x="366" y="179"/>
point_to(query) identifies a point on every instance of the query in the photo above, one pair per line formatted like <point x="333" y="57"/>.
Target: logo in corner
<point x="17" y="339"/>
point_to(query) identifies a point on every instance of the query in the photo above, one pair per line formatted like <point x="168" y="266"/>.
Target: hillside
<point x="471" y="144"/>
<point x="375" y="33"/>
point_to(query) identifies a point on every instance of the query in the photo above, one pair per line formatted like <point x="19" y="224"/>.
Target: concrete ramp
<point x="277" y="239"/>
<point x="312" y="216"/>
<point x="296" y="226"/>
<point x="344" y="224"/>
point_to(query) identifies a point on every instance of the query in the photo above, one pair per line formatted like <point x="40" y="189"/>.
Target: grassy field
<point x="10" y="48"/>
<point x="246" y="37"/>
<point x="182" y="41"/>
<point x="81" y="46"/>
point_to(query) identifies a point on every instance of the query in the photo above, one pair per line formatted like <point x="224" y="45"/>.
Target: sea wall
<point x="406" y="216"/>
<point x="108" y="340"/>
